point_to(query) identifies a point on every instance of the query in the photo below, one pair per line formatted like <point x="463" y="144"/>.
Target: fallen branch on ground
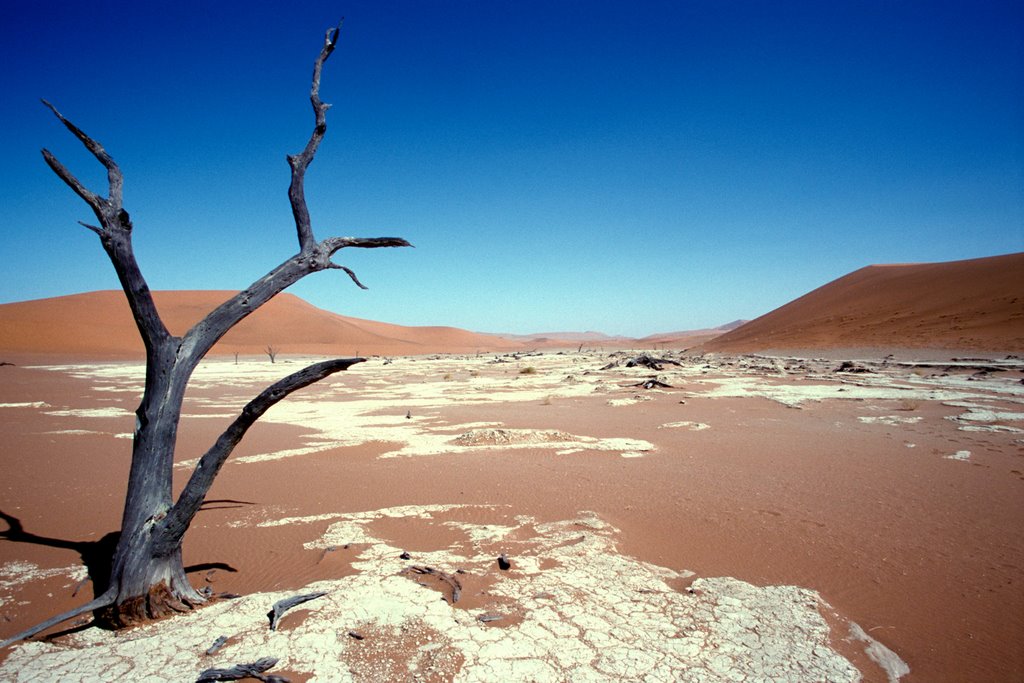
<point x="240" y="671"/>
<point x="650" y="362"/>
<point x="282" y="606"/>
<point x="651" y="383"/>
<point x="447" y="578"/>
<point x="217" y="644"/>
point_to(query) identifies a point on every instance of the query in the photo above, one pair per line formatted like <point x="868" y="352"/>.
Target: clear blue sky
<point x="628" y="167"/>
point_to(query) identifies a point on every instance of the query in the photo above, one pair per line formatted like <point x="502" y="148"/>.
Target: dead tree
<point x="272" y="352"/>
<point x="148" y="578"/>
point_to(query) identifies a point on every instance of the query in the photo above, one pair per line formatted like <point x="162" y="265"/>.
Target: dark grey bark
<point x="148" y="578"/>
<point x="242" y="671"/>
<point x="282" y="606"/>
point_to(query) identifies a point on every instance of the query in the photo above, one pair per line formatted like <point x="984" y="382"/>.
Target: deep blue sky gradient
<point x="624" y="167"/>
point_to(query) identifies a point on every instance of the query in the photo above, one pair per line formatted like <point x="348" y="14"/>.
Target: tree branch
<point x="174" y="525"/>
<point x="334" y="244"/>
<point x="114" y="176"/>
<point x="312" y="256"/>
<point x="300" y="162"/>
<point x="115" y="234"/>
<point x="95" y="202"/>
<point x="351" y="274"/>
<point x="201" y="338"/>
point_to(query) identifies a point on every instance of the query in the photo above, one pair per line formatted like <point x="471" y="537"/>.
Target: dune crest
<point x="99" y="325"/>
<point x="977" y="304"/>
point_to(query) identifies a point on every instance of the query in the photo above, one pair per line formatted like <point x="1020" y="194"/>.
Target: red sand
<point x="925" y="553"/>
<point x="973" y="305"/>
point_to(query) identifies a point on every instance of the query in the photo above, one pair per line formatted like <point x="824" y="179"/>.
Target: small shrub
<point x="528" y="370"/>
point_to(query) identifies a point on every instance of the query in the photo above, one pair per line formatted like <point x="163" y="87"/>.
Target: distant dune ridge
<point x="100" y="325"/>
<point x="976" y="304"/>
<point x="688" y="338"/>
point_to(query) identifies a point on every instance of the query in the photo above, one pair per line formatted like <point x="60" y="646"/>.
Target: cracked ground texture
<point x="573" y="607"/>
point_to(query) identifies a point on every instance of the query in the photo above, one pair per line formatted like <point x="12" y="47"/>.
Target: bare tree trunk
<point x="148" y="577"/>
<point x="149" y="585"/>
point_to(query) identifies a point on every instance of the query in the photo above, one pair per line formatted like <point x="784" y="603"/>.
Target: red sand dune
<point x="976" y="304"/>
<point x="688" y="338"/>
<point x="971" y="305"/>
<point x="100" y="325"/>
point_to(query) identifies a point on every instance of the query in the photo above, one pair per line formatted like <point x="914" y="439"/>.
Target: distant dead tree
<point x="147" y="578"/>
<point x="272" y="352"/>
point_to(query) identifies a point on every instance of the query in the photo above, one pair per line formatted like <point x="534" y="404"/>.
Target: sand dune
<point x="687" y="338"/>
<point x="99" y="325"/>
<point x="567" y="339"/>
<point x="976" y="304"/>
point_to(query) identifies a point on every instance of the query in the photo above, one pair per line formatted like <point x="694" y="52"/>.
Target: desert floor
<point x="869" y="521"/>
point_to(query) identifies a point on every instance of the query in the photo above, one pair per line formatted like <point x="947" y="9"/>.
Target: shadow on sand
<point x="97" y="556"/>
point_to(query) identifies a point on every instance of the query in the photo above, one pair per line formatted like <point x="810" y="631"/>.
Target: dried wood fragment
<point x="240" y="671"/>
<point x="504" y="564"/>
<point x="489" y="617"/>
<point x="217" y="644"/>
<point x="453" y="582"/>
<point x="850" y="366"/>
<point x="652" y="383"/>
<point x="650" y="362"/>
<point x="356" y="634"/>
<point x="282" y="606"/>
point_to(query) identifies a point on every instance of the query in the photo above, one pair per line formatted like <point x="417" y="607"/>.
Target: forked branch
<point x="312" y="256"/>
<point x="115" y="233"/>
<point x="201" y="338"/>
<point x="114" y="177"/>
